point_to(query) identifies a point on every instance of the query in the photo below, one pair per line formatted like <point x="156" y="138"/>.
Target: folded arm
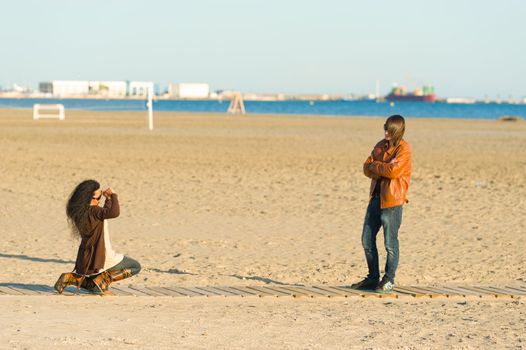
<point x="393" y="169"/>
<point x="366" y="170"/>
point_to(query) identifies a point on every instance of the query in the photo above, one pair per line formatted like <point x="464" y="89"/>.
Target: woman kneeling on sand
<point x="97" y="265"/>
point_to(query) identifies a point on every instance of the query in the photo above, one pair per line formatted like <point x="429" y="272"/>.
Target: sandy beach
<point x="224" y="200"/>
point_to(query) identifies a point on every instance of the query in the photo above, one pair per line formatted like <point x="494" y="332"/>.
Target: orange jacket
<point x="393" y="166"/>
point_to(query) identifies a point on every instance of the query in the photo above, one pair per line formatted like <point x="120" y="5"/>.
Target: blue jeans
<point x="127" y="263"/>
<point x="390" y="219"/>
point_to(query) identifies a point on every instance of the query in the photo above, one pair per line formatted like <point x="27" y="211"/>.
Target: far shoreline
<point x="265" y="115"/>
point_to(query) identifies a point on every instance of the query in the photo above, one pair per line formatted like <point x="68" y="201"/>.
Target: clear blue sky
<point x="463" y="48"/>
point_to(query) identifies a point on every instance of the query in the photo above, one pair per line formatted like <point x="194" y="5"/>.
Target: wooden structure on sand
<point x="508" y="291"/>
<point x="236" y="104"/>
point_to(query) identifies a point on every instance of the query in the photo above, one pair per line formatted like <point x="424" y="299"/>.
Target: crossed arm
<point x="366" y="169"/>
<point x="395" y="168"/>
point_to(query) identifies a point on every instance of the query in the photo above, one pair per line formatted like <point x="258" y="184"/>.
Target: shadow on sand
<point x="29" y="286"/>
<point x="172" y="271"/>
<point x="261" y="279"/>
<point x="35" y="259"/>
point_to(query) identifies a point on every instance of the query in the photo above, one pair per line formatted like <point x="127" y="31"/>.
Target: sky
<point x="463" y="48"/>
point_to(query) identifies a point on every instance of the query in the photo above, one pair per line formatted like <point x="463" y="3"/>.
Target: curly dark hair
<point x="78" y="206"/>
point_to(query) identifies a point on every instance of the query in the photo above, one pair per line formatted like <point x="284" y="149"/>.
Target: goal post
<point x="150" y="107"/>
<point x="48" y="108"/>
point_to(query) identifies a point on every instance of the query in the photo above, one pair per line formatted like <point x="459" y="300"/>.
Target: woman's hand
<point x="108" y="192"/>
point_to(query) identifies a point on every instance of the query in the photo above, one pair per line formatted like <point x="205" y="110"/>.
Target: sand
<point x="221" y="200"/>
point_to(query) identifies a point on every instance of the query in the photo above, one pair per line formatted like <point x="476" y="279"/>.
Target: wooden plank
<point x="370" y="293"/>
<point x="440" y="291"/>
<point x="270" y="291"/>
<point x="187" y="292"/>
<point x="263" y="292"/>
<point x="41" y="289"/>
<point x="223" y="292"/>
<point x="429" y="292"/>
<point x="478" y="292"/>
<point x="286" y="290"/>
<point x="173" y="292"/>
<point x="146" y="291"/>
<point x="297" y="291"/>
<point x="248" y="291"/>
<point x="24" y="290"/>
<point x="199" y="290"/>
<point x="280" y="290"/>
<point x="458" y="292"/>
<point x="236" y="292"/>
<point x="346" y="290"/>
<point x="314" y="292"/>
<point x="122" y="291"/>
<point x="329" y="292"/>
<point x="505" y="290"/>
<point x="118" y="291"/>
<point x="461" y="292"/>
<point x="165" y="292"/>
<point x="212" y="292"/>
<point x="364" y="293"/>
<point x="131" y="290"/>
<point x="350" y="292"/>
<point x="516" y="290"/>
<point x="333" y="293"/>
<point x="19" y="289"/>
<point x="409" y="291"/>
<point x="474" y="292"/>
<point x="355" y="292"/>
<point x="496" y="294"/>
<point x="10" y="291"/>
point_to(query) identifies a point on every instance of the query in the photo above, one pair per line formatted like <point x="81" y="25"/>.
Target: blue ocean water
<point x="338" y="108"/>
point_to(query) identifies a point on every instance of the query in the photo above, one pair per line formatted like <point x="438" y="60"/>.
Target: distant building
<point x="114" y="89"/>
<point x="189" y="90"/>
<point x="45" y="87"/>
<point x="65" y="88"/>
<point x="139" y="88"/>
<point x="108" y="88"/>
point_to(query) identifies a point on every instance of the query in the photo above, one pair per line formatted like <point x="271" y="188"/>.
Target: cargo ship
<point x="424" y="94"/>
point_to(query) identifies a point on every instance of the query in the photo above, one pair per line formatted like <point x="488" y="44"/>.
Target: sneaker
<point x="365" y="284"/>
<point x="385" y="286"/>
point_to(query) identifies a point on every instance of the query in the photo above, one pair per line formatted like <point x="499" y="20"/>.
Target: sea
<point x="342" y="108"/>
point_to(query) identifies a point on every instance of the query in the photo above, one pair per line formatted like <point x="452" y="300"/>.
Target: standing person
<point x="97" y="264"/>
<point x="389" y="167"/>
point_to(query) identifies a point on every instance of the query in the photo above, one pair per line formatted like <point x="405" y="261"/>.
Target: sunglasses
<point x="385" y="127"/>
<point x="99" y="197"/>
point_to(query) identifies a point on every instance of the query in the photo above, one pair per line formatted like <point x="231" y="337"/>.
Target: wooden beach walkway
<point x="508" y="291"/>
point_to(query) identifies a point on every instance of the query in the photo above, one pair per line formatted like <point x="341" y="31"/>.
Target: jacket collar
<point x="390" y="150"/>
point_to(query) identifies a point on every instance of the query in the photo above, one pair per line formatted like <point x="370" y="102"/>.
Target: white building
<point x="65" y="88"/>
<point x="108" y="88"/>
<point x="189" y="90"/>
<point x="72" y="88"/>
<point x="139" y="88"/>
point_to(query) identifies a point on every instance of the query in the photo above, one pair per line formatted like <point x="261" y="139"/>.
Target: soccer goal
<point x="49" y="111"/>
